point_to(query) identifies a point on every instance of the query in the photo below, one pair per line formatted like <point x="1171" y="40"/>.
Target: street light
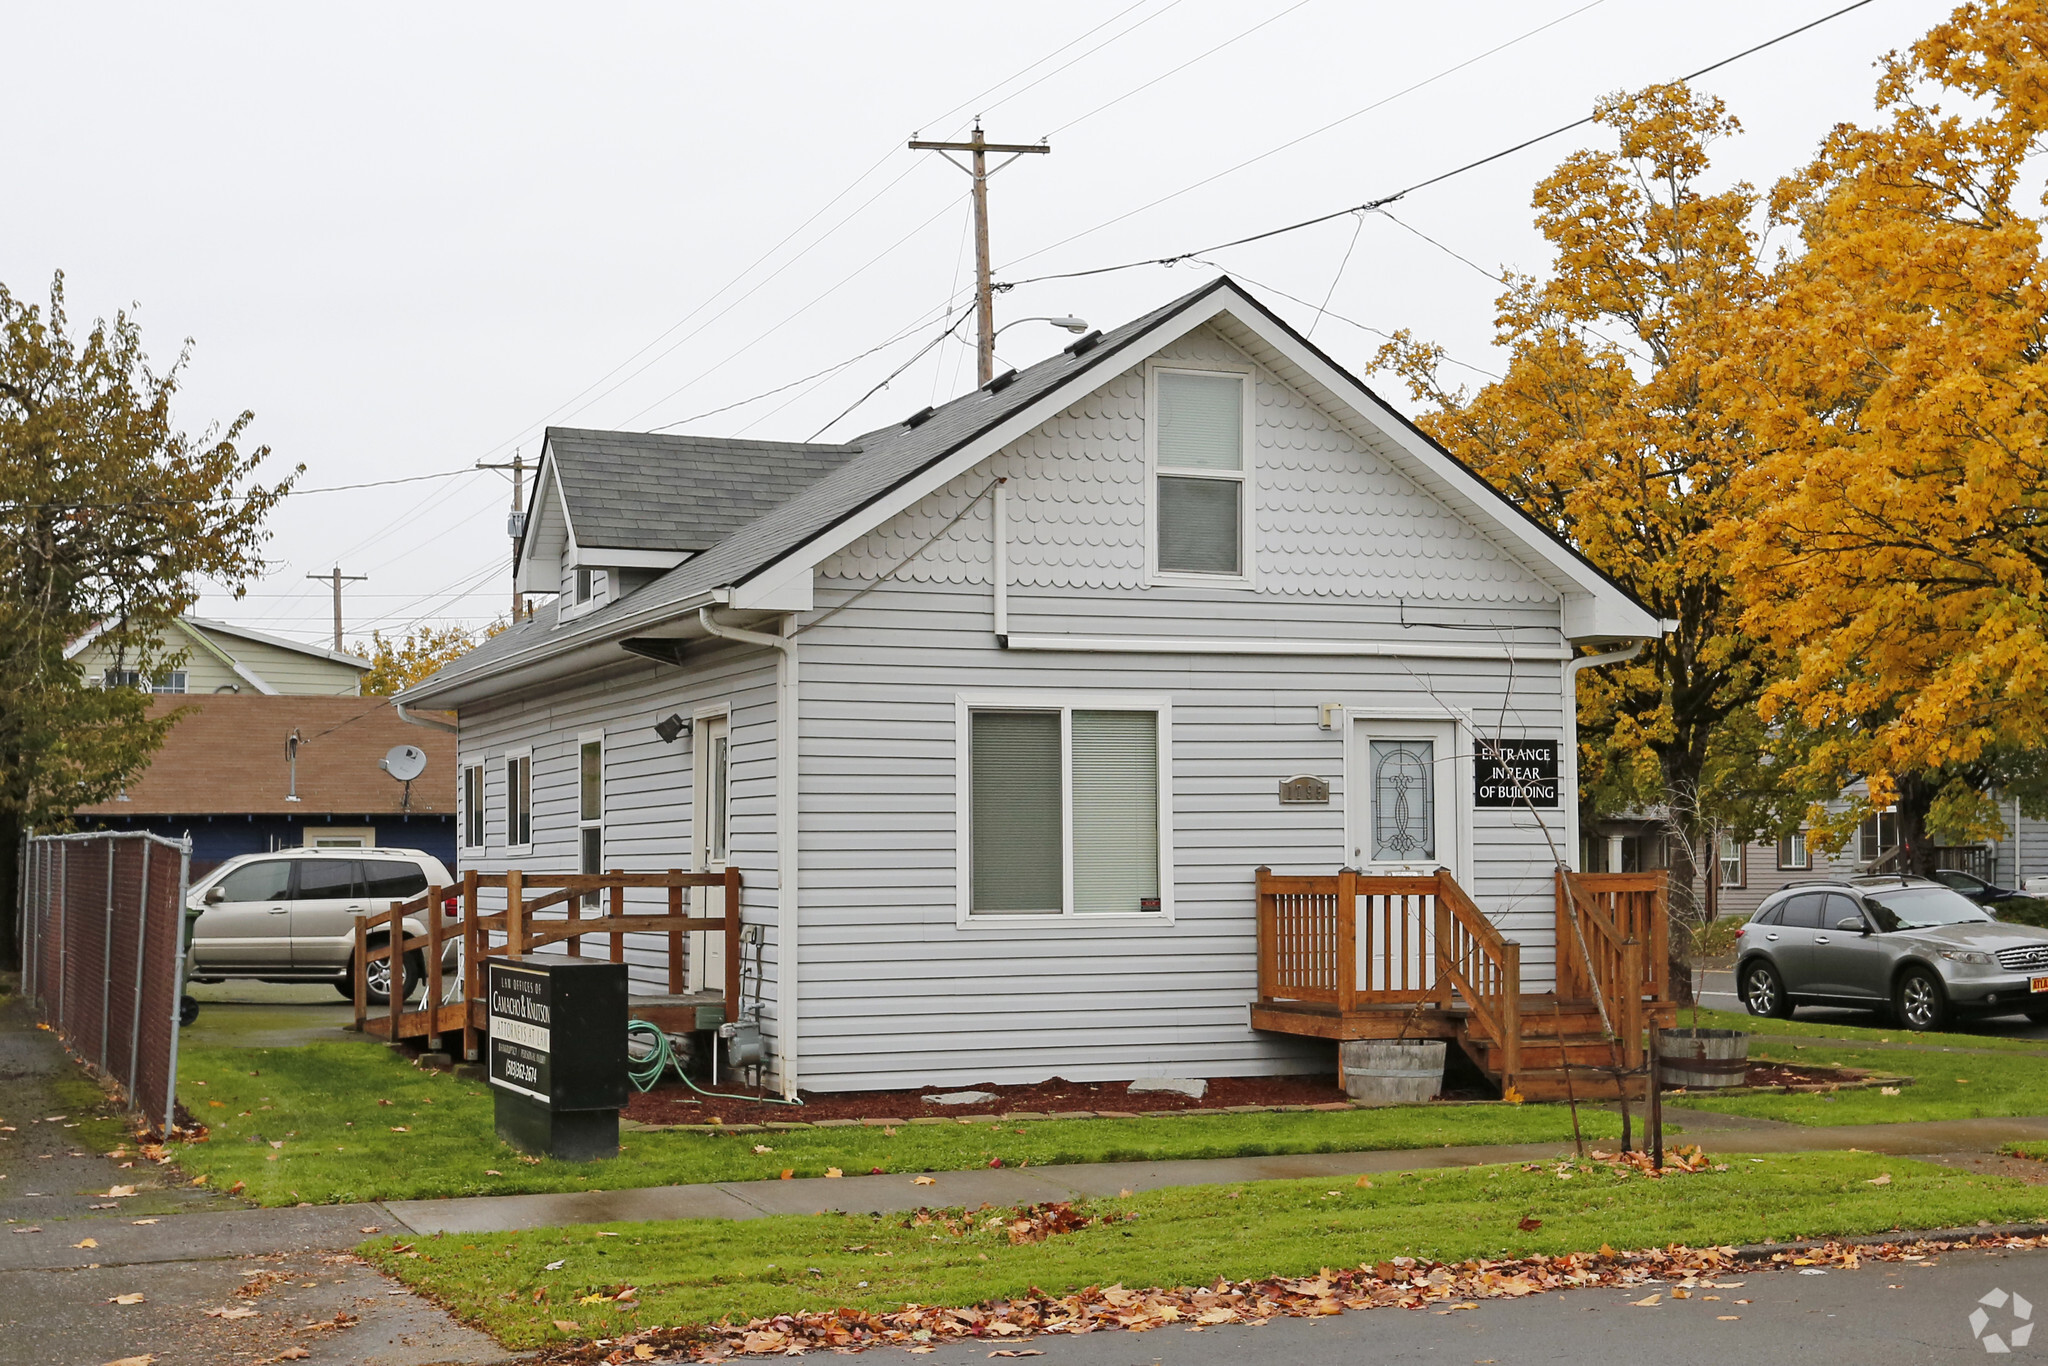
<point x="1071" y="323"/>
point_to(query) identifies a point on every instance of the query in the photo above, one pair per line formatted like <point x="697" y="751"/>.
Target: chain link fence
<point x="103" y="954"/>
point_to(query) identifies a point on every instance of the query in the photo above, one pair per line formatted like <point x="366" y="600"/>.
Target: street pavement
<point x="1881" y="1314"/>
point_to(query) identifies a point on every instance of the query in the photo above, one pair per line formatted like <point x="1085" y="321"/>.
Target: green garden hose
<point x="644" y="1069"/>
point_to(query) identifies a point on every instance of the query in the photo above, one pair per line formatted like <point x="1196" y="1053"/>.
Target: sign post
<point x="557" y="1054"/>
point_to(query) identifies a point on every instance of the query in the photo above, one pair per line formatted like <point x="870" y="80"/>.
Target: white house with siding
<point x="994" y="706"/>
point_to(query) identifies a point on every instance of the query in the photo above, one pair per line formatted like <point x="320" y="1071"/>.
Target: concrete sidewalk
<point x="1015" y="1186"/>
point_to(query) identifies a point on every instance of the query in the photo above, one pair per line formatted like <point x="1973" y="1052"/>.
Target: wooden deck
<point x="1353" y="956"/>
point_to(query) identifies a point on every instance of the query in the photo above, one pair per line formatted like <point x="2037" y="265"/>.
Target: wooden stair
<point x="1553" y="1034"/>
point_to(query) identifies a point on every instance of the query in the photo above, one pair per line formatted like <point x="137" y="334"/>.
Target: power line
<point x="1331" y="313"/>
<point x="1384" y="200"/>
<point x="975" y="98"/>
<point x="1171" y="4"/>
<point x="922" y="351"/>
<point x="1204" y="56"/>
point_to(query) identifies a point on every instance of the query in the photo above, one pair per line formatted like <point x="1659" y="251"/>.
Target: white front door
<point x="1403" y="799"/>
<point x="713" y="765"/>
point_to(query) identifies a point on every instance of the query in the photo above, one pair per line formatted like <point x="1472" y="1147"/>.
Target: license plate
<point x="2039" y="984"/>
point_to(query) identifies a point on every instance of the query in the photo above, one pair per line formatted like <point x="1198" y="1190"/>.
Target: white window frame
<point x="505" y="762"/>
<point x="1247" y="477"/>
<point x="171" y="685"/>
<point x="1805" y="852"/>
<point x="475" y="821"/>
<point x="590" y="737"/>
<point x="1741" y="864"/>
<point x="1066" y="704"/>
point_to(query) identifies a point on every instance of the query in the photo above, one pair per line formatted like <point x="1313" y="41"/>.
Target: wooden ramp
<point x="1354" y="956"/>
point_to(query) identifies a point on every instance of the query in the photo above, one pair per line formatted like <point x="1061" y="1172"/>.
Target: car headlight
<point x="1970" y="956"/>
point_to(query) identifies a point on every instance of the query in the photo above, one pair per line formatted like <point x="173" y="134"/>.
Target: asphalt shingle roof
<point x="648" y="491"/>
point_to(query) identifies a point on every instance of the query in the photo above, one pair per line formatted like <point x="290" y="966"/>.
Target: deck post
<point x="394" y="944"/>
<point x="471" y="973"/>
<point x="1441" y="918"/>
<point x="1347" y="941"/>
<point x="1510" y="1011"/>
<point x="1660" y="940"/>
<point x="433" y="1002"/>
<point x="515" y="913"/>
<point x="618" y="913"/>
<point x="675" y="937"/>
<point x="732" y="943"/>
<point x="1629" y="1012"/>
<point x="1267" y="931"/>
<point x="362" y="971"/>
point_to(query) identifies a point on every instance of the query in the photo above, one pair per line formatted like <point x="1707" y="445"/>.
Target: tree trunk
<point x="10" y="888"/>
<point x="1683" y="874"/>
<point x="1916" y="799"/>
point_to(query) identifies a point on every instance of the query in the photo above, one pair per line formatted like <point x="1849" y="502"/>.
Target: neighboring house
<point x="999" y="707"/>
<point x="228" y="777"/>
<point x="222" y="658"/>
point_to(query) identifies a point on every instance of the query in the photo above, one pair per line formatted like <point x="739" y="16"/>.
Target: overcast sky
<point x="411" y="236"/>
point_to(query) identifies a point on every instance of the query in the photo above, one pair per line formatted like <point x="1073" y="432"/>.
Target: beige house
<point x="219" y="658"/>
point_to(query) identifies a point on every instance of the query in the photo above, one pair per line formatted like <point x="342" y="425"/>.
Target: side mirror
<point x="215" y="895"/>
<point x="1852" y="924"/>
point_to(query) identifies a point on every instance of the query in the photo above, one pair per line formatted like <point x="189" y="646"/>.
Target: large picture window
<point x="1064" y="808"/>
<point x="1201" y="496"/>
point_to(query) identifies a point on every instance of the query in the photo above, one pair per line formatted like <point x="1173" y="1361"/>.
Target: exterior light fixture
<point x="671" y="727"/>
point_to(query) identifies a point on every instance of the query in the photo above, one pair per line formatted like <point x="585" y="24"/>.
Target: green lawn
<point x="700" y="1271"/>
<point x="1944" y="1086"/>
<point x="305" y="1123"/>
<point x="2037" y="1152"/>
<point x="1814" y="1029"/>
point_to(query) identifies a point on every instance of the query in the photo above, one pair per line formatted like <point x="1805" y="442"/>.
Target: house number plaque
<point x="1304" y="791"/>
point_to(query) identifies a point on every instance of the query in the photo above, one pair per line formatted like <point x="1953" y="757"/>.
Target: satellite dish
<point x="404" y="762"/>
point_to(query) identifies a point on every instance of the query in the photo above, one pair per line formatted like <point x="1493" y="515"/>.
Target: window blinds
<point x="1201" y="421"/>
<point x="1015" y="795"/>
<point x="1116" y="812"/>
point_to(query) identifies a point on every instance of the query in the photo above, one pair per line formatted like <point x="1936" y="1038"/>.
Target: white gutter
<point x="1571" y="738"/>
<point x="427" y="721"/>
<point x="1256" y="645"/>
<point x="786" y="821"/>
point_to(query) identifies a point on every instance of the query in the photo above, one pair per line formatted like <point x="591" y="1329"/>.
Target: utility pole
<point x="984" y="296"/>
<point x="515" y="522"/>
<point x="337" y="579"/>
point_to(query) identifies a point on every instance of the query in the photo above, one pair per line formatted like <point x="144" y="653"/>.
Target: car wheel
<point x="188" y="1010"/>
<point x="1763" y="992"/>
<point x="377" y="990"/>
<point x="1919" y="1001"/>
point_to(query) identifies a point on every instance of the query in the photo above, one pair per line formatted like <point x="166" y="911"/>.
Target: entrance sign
<point x="1515" y="773"/>
<point x="557" y="1053"/>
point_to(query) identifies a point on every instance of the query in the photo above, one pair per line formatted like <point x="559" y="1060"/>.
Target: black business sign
<point x="521" y="1008"/>
<point x="1515" y="773"/>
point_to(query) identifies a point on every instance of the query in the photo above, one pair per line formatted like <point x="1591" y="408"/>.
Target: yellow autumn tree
<point x="1898" y="551"/>
<point x="397" y="662"/>
<point x="1614" y="426"/>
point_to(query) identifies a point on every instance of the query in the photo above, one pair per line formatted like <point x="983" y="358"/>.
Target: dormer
<point x="613" y="511"/>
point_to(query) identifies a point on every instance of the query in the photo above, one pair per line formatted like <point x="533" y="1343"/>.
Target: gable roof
<point x="897" y="464"/>
<point x="649" y="491"/>
<point x="194" y="625"/>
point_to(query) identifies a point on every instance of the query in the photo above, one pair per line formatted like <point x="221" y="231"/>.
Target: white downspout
<point x="427" y="721"/>
<point x="786" y="793"/>
<point x="1571" y="738"/>
<point x="1000" y="529"/>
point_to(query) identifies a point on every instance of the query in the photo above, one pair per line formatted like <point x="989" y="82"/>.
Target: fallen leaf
<point x="139" y="1222"/>
<point x="277" y="1143"/>
<point x="86" y="1242"/>
<point x="1646" y="1301"/>
<point x="34" y="1229"/>
<point x="126" y="1299"/>
<point x="556" y="1266"/>
<point x="564" y="1325"/>
<point x="763" y="1148"/>
<point x="133" y="1361"/>
<point x="788" y="1172"/>
<point x="1881" y="1179"/>
<point x="116" y="1192"/>
<point x="595" y="1299"/>
<point x="1527" y="1224"/>
<point x="198" y="1180"/>
<point x="1016" y="1352"/>
<point x="292" y="1354"/>
<point x="490" y="1171"/>
<point x="226" y="1313"/>
<point x="236" y="1189"/>
<point x="1363" y="1182"/>
<point x="1727" y="1318"/>
<point x="642" y="1352"/>
<point x="371" y="1229"/>
<point x="399" y="1129"/>
<point x="1887" y="1090"/>
<point x="833" y="1172"/>
<point x="217" y="1105"/>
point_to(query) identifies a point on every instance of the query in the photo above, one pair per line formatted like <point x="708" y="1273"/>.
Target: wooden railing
<point x="522" y="924"/>
<point x="1356" y="941"/>
<point x="1615" y="949"/>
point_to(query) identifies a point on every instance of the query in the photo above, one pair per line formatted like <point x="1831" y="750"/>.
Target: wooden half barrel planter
<point x="1703" y="1059"/>
<point x="1392" y="1071"/>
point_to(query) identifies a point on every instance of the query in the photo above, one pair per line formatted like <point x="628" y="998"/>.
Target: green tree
<point x="110" y="516"/>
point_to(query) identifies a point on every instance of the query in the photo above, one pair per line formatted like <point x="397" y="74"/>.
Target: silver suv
<point x="1907" y="946"/>
<point x="289" y="916"/>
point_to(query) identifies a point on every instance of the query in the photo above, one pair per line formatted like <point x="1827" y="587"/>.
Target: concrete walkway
<point x="1015" y="1186"/>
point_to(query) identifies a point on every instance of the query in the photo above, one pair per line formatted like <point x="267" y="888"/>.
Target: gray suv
<point x="1907" y="946"/>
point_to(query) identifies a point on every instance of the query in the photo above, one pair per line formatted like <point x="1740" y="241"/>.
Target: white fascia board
<point x="84" y="642"/>
<point x="533" y="546"/>
<point x="1350" y="649"/>
<point x="777" y="582"/>
<point x="265" y="638"/>
<point x="608" y="557"/>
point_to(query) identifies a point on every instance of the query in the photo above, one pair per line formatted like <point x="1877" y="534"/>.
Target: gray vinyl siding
<point x="648" y="805"/>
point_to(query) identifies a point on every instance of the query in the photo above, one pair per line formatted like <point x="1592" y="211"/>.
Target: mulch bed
<point x="1786" y="1074"/>
<point x="675" y="1104"/>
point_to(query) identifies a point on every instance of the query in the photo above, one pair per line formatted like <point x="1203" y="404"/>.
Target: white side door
<point x="1404" y="804"/>
<point x="712" y="803"/>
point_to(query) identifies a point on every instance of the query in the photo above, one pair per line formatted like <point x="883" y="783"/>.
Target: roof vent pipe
<point x="920" y="417"/>
<point x="1085" y="343"/>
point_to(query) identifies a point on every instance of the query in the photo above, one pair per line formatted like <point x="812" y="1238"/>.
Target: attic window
<point x="1201" y="496"/>
<point x="586" y="580"/>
